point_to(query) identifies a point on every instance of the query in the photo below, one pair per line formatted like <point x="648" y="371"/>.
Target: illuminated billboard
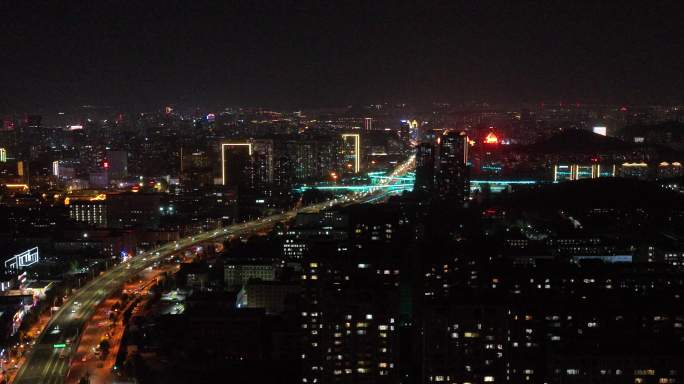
<point x="600" y="131"/>
<point x="22" y="260"/>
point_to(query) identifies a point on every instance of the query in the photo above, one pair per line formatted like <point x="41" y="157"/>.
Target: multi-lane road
<point x="49" y="360"/>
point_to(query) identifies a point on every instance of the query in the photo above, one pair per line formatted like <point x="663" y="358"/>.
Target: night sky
<point x="143" y="54"/>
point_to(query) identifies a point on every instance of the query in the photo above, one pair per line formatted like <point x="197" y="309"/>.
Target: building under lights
<point x="636" y="170"/>
<point x="572" y="172"/>
<point x="88" y="208"/>
<point x="352" y="152"/>
<point x="92" y="212"/>
<point x="666" y="170"/>
<point x="115" y="210"/>
<point x="645" y="171"/>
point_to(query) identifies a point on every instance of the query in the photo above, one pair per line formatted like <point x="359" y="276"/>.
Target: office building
<point x="453" y="177"/>
<point x="92" y="211"/>
<point x="236" y="274"/>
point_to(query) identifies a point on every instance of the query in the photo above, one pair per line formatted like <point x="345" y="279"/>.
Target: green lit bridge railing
<point x="377" y="181"/>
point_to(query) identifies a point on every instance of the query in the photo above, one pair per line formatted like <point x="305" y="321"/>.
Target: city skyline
<point x="358" y="192"/>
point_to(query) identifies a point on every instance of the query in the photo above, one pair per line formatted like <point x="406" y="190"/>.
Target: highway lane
<point x="48" y="364"/>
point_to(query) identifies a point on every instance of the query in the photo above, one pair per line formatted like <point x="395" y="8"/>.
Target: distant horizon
<point x="355" y="107"/>
<point x="301" y="53"/>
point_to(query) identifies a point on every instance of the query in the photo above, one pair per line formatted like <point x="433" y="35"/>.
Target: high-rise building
<point x="453" y="178"/>
<point x="282" y="178"/>
<point x="350" y="323"/>
<point x="27" y="136"/>
<point x="409" y="131"/>
<point x="328" y="150"/>
<point x="352" y="152"/>
<point x="235" y="165"/>
<point x="303" y="159"/>
<point x="425" y="168"/>
<point x="261" y="166"/>
<point x="118" y="164"/>
<point x="367" y="123"/>
<point x="405" y="131"/>
<point x="195" y="172"/>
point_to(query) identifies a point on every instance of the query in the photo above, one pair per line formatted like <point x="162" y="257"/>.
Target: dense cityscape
<point x="413" y="241"/>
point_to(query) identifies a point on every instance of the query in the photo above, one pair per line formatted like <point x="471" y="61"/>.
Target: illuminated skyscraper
<point x="425" y="168"/>
<point x="367" y="124"/>
<point x="453" y="178"/>
<point x="352" y="151"/>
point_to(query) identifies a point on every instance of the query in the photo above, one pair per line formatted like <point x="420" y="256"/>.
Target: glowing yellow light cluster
<point x="19" y="186"/>
<point x="99" y="197"/>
